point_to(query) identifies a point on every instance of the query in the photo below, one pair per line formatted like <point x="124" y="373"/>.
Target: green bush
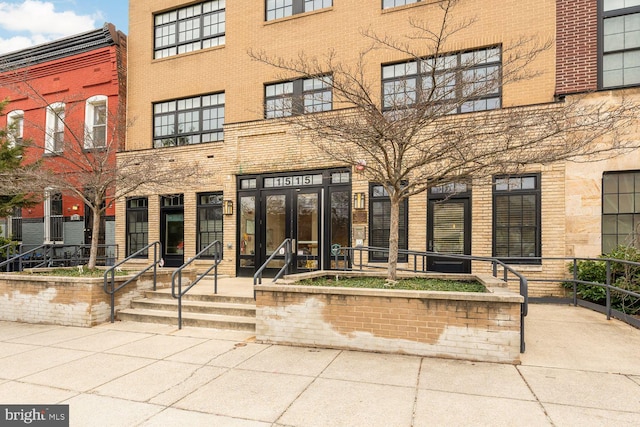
<point x="624" y="276"/>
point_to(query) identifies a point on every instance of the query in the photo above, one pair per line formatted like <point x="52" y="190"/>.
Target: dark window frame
<point x="518" y="192"/>
<point x="621" y="214"/>
<point x="297" y="97"/>
<point x="173" y="23"/>
<point x="211" y="203"/>
<point x="171" y="110"/>
<point x="449" y="74"/>
<point x="378" y="195"/>
<point x="16" y="224"/>
<point x="296" y="7"/>
<point x="602" y="17"/>
<point x="133" y="207"/>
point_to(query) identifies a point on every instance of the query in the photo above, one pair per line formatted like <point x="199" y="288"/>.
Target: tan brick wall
<point x="394" y="321"/>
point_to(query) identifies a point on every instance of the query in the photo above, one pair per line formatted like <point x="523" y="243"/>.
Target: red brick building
<point x="63" y="99"/>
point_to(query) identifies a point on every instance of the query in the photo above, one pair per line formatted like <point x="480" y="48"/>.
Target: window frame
<point x="214" y="208"/>
<point x="53" y="217"/>
<point x="403" y="220"/>
<point x="90" y="126"/>
<point x="173" y="22"/>
<point x="184" y="138"/>
<point x="450" y="73"/>
<point x="537" y="193"/>
<point x="16" y="225"/>
<point x="297" y="97"/>
<point x="296" y="7"/>
<point x="144" y="211"/>
<point x="633" y="198"/>
<point x="55" y="128"/>
<point x="602" y="17"/>
<point x="404" y="3"/>
<point x="15" y="123"/>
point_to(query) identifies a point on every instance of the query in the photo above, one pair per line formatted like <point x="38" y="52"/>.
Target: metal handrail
<point x="112" y="289"/>
<point x="217" y="255"/>
<point x="70" y="258"/>
<point x="288" y="258"/>
<point x="348" y="253"/>
<point x="10" y="249"/>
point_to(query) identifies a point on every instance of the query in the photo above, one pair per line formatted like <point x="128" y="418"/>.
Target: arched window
<point x="95" y="135"/>
<point x="54" y="137"/>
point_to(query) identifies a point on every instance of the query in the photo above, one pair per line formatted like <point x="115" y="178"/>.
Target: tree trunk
<point x="393" y="239"/>
<point x="95" y="236"/>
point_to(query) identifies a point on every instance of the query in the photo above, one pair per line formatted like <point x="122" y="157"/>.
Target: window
<point x="296" y="97"/>
<point x="209" y="220"/>
<point x="461" y="82"/>
<point x="53" y="221"/>
<point x="95" y="122"/>
<point x="380" y="221"/>
<point x="16" y="225"/>
<point x="15" y="122"/>
<point x="280" y="8"/>
<point x="620" y="210"/>
<point x="137" y="225"/>
<point x="190" y="28"/>
<point x="54" y="137"/>
<point x="620" y="43"/>
<point x="188" y="121"/>
<point x="387" y="4"/>
<point x="516" y="218"/>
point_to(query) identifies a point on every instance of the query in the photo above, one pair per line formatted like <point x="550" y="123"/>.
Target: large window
<point x="95" y="122"/>
<point x="620" y="210"/>
<point x="16" y="225"/>
<point x="137" y="225"/>
<point x="209" y="220"/>
<point x="276" y="9"/>
<point x="516" y="218"/>
<point x="15" y="122"/>
<point x="190" y="28"/>
<point x="54" y="136"/>
<point x="620" y="43"/>
<point x="296" y="97"/>
<point x="188" y="121"/>
<point x="380" y="223"/>
<point x="387" y="4"/>
<point x="459" y="82"/>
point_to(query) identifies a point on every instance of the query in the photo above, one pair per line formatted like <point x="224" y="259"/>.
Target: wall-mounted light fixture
<point x="358" y="200"/>
<point x="227" y="207"/>
<point x="75" y="207"/>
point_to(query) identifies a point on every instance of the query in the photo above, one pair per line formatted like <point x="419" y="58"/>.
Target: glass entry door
<point x="449" y="232"/>
<point x="294" y="214"/>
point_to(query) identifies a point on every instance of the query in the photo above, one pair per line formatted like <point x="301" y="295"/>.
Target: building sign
<point x="293" y="181"/>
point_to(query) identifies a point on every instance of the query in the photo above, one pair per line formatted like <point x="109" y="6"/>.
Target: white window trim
<point x="89" y="115"/>
<point x="55" y="112"/>
<point x="13" y="117"/>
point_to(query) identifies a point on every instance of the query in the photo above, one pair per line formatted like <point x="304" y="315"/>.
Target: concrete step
<point x="196" y="306"/>
<point x="166" y="294"/>
<point x="202" y="320"/>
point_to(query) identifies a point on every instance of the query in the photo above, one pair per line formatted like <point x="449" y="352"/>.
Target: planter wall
<point x="459" y="325"/>
<point x="71" y="301"/>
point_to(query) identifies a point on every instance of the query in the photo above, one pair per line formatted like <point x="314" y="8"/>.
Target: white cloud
<point x="31" y="22"/>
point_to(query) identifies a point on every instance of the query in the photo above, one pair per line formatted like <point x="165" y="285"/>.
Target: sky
<point x="26" y="23"/>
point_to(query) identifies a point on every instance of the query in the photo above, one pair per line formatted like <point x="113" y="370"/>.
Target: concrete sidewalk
<point x="579" y="370"/>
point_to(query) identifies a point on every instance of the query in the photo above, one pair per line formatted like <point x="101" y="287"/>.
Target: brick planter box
<point x="458" y="325"/>
<point x="71" y="301"/>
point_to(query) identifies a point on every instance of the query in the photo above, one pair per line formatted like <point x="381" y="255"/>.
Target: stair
<point x="204" y="311"/>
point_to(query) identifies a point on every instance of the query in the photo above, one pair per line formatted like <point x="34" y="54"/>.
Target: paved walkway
<point x="579" y="370"/>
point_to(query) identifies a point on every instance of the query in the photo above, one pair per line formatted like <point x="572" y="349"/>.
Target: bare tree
<point x="80" y="160"/>
<point x="407" y="132"/>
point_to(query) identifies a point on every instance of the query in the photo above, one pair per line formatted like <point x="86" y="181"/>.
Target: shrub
<point x="623" y="275"/>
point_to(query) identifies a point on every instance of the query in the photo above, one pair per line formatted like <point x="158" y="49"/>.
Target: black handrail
<point x="112" y="289"/>
<point x="8" y="252"/>
<point x="348" y="255"/>
<point x="288" y="258"/>
<point x="217" y="255"/>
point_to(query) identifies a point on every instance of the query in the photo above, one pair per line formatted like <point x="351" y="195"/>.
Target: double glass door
<point x="293" y="214"/>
